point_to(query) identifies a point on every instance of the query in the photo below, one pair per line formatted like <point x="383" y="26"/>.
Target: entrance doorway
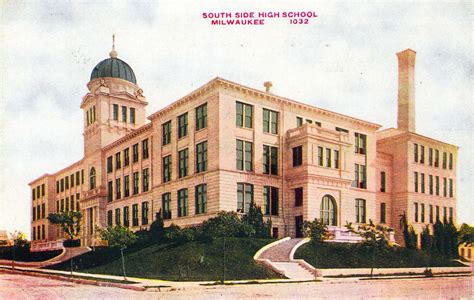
<point x="299" y="226"/>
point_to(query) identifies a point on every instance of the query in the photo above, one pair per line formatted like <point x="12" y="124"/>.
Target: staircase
<point x="278" y="256"/>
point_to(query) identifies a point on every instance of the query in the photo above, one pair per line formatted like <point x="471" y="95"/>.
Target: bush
<point x="316" y="230"/>
<point x="72" y="243"/>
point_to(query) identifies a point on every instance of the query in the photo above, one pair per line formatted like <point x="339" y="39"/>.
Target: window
<point x="243" y="115"/>
<point x="360" y="210"/>
<point x="144" y="213"/>
<point x="422" y="154"/>
<point x="382" y="182"/>
<point x="91" y="178"/>
<point x="445" y="215"/>
<point x="299" y="197"/>
<point x="328" y="211"/>
<point x="299" y="121"/>
<point x="360" y="143"/>
<point x="270" y="121"/>
<point x="109" y="164"/>
<point x="62" y="205"/>
<point x="342" y="130"/>
<point x="167" y="168"/>
<point x="309" y="121"/>
<point x="77" y="178"/>
<point x="201" y="198"/>
<point x="33" y="194"/>
<point x="117" y="216"/>
<point x="118" y="190"/>
<point x="62" y="184"/>
<point x="450" y="188"/>
<point x="244" y="155"/>
<point x="422" y="207"/>
<point x="201" y="157"/>
<point x="110" y="191"/>
<point x="416" y="181"/>
<point x="437" y="213"/>
<point x="118" y="161"/>
<point x="270" y="200"/>
<point x="109" y="218"/>
<point x="126" y="216"/>
<point x="450" y="161"/>
<point x="445" y="187"/>
<point x="201" y="117"/>
<point x="436" y="164"/>
<point x="43" y="187"/>
<point x="77" y="201"/>
<point x="135" y="182"/>
<point x="297" y="156"/>
<point x="183" y="125"/>
<point x="244" y="197"/>
<point x="431" y="214"/>
<point x="34" y="233"/>
<point x="445" y="160"/>
<point x="124" y="114"/>
<point x="360" y="172"/>
<point x="450" y="220"/>
<point x="87" y="118"/>
<point x="126" y="186"/>
<point x="72" y="202"/>
<point x="437" y="185"/>
<point x="320" y="156"/>
<point x="270" y="160"/>
<point x="135" y="215"/>
<point x="183" y="163"/>
<point x="166" y="206"/>
<point x="166" y="137"/>
<point x="43" y="210"/>
<point x="146" y="178"/>
<point x="422" y="179"/>
<point x="115" y="112"/>
<point x="66" y="182"/>
<point x="336" y="159"/>
<point x="430" y="156"/>
<point x="415" y="152"/>
<point x="328" y="157"/>
<point x="145" y="152"/>
<point x="317" y="123"/>
<point x="132" y="115"/>
<point x="430" y="183"/>
<point x="382" y="213"/>
<point x="42" y="232"/>
<point x="82" y="176"/>
<point x="72" y="181"/>
<point x="182" y="202"/>
<point x="126" y="157"/>
<point x="135" y="153"/>
<point x="416" y="212"/>
<point x="34" y="213"/>
<point x="57" y="189"/>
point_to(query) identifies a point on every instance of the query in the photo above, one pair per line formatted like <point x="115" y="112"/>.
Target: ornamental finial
<point x="113" y="53"/>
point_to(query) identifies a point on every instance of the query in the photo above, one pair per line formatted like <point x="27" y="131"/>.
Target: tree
<point x="466" y="234"/>
<point x="118" y="237"/>
<point x="317" y="230"/>
<point x="409" y="235"/>
<point x="254" y="219"/>
<point x="157" y="227"/>
<point x="426" y="239"/>
<point x="20" y="244"/>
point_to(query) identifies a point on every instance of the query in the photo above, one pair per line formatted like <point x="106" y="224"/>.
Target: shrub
<point x="317" y="230"/>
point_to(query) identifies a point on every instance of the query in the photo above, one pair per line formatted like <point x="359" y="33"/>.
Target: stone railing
<point x="310" y="129"/>
<point x="39" y="246"/>
<point x="343" y="235"/>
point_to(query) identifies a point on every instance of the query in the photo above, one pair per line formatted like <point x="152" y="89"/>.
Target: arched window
<point x="92" y="178"/>
<point x="328" y="211"/>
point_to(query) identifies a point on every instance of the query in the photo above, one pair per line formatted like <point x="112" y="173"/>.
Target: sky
<point x="344" y="60"/>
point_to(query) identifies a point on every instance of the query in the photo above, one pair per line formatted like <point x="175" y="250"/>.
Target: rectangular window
<point x="109" y="164"/>
<point x="117" y="217"/>
<point x="87" y="118"/>
<point x="201" y="117"/>
<point x="422" y="154"/>
<point x="451" y="188"/>
<point x="437" y="185"/>
<point x="270" y="200"/>
<point x="118" y="161"/>
<point x="297" y="156"/>
<point x="183" y="163"/>
<point x="34" y="233"/>
<point x="445" y="160"/>
<point x="43" y="187"/>
<point x="382" y="213"/>
<point x="72" y="181"/>
<point x="430" y="156"/>
<point x="145" y="213"/>
<point x="382" y="182"/>
<point x="299" y="197"/>
<point x="243" y="115"/>
<point x="62" y="205"/>
<point x="33" y="193"/>
<point x="166" y="136"/>
<point x="360" y="176"/>
<point x="431" y="214"/>
<point x="201" y="157"/>
<point x="270" y="121"/>
<point x="132" y="115"/>
<point x="77" y="178"/>
<point x="182" y="202"/>
<point x="182" y="125"/>
<point x="309" y="121"/>
<point x="445" y="187"/>
<point x="146" y="179"/>
<point x="57" y="189"/>
<point x="42" y="232"/>
<point x="135" y="153"/>
<point x="72" y="202"/>
<point x="118" y="190"/>
<point x="43" y="210"/>
<point x="166" y="205"/>
<point x="422" y="179"/>
<point x="126" y="185"/>
<point x="299" y="121"/>
<point x="320" y="156"/>
<point x="450" y="220"/>
<point x="445" y="215"/>
<point x="328" y="157"/>
<point x="437" y="213"/>
<point x="34" y="213"/>
<point x="109" y="218"/>
<point x="416" y="212"/>
<point x="110" y="191"/>
<point x="244" y="197"/>
<point x="77" y="201"/>
<point x="66" y="183"/>
<point x="415" y="152"/>
<point x="145" y="152"/>
<point x="135" y="215"/>
<point x="336" y="159"/>
<point x="126" y="157"/>
<point x="436" y="163"/>
<point x="66" y="202"/>
<point x="422" y="207"/>
<point x="124" y="114"/>
<point x="244" y="151"/>
<point x="115" y="112"/>
<point x="201" y="198"/>
<point x="270" y="160"/>
<point x="360" y="210"/>
<point x="167" y="168"/>
<point x="450" y="161"/>
<point x="82" y="176"/>
<point x="360" y="143"/>
<point x="342" y="130"/>
<point x="416" y="182"/>
<point x="136" y="177"/>
<point x="126" y="216"/>
<point x="430" y="183"/>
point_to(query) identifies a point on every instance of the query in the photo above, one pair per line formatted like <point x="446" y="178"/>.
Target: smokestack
<point x="406" y="90"/>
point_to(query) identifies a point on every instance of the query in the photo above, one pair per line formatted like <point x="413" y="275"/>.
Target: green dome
<point x="113" y="67"/>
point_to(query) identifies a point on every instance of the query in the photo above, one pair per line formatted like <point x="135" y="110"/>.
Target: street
<point x="27" y="287"/>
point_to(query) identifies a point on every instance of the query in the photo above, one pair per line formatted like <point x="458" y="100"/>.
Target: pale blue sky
<point x="342" y="61"/>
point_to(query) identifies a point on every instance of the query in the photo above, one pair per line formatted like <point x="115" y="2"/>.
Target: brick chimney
<point x="406" y="90"/>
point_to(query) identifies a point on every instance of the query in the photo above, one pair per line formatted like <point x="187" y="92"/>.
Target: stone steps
<point x="293" y="270"/>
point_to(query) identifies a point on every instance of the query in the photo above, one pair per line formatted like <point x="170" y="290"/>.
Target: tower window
<point x="115" y="112"/>
<point x="132" y="115"/>
<point x="124" y="114"/>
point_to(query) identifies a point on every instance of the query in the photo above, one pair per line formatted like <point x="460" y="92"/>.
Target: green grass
<point x="194" y="260"/>
<point x="341" y="255"/>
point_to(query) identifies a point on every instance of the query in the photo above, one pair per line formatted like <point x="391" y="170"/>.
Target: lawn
<point x="23" y="254"/>
<point x="342" y="255"/>
<point x="179" y="261"/>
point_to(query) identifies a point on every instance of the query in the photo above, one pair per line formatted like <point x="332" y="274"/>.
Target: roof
<point x="115" y="68"/>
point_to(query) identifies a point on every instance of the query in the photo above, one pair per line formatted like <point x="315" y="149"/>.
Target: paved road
<point x="26" y="287"/>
